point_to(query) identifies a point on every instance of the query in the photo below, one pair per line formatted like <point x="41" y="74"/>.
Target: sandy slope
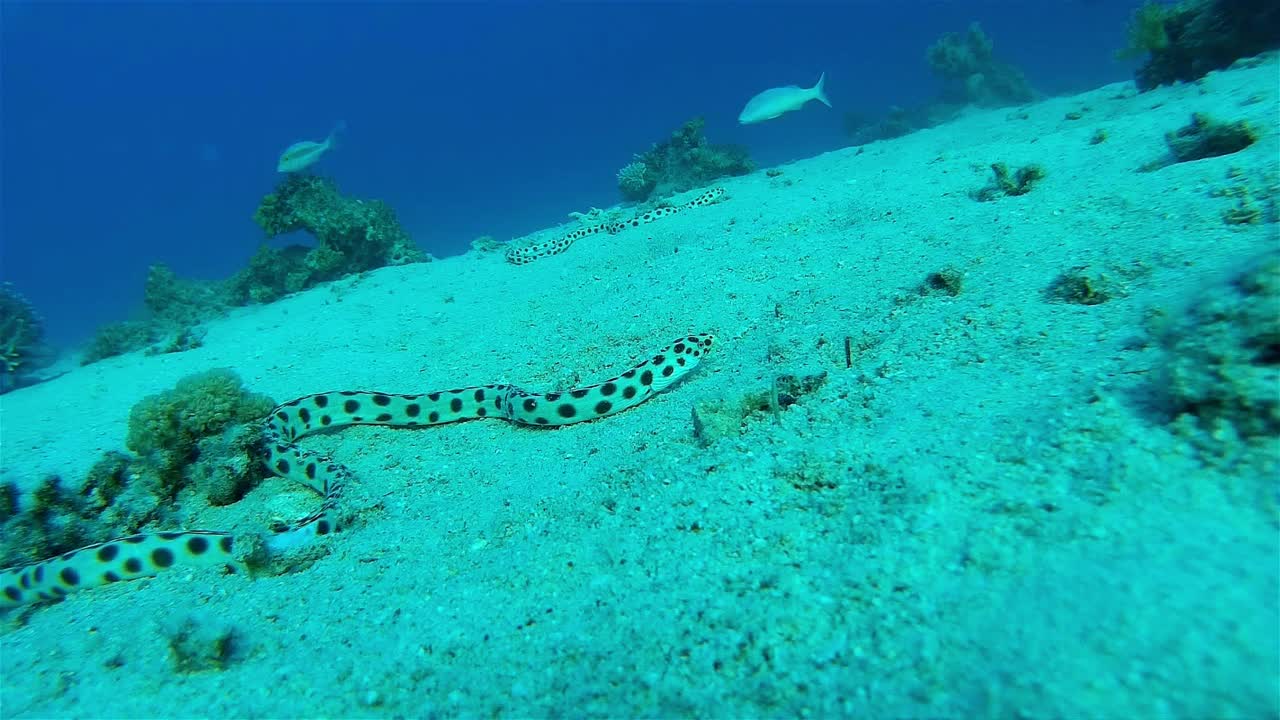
<point x="989" y="513"/>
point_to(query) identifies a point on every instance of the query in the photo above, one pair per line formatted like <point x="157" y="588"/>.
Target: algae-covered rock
<point x="354" y="235"/>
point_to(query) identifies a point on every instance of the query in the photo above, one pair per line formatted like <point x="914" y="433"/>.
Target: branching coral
<point x="635" y="182"/>
<point x="967" y="65"/>
<point x="1147" y="30"/>
<point x="959" y="56"/>
<point x="22" y="348"/>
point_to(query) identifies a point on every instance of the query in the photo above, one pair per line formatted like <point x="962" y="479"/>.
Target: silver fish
<point x="301" y="155"/>
<point x="775" y="101"/>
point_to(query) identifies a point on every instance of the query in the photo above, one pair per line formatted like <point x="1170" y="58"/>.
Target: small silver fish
<point x="300" y="155"/>
<point x="775" y="101"/>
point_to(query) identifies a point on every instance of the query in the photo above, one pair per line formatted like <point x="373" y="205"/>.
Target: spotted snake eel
<point x="528" y="253"/>
<point x="146" y="554"/>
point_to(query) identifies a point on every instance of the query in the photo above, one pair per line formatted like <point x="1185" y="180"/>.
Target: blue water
<point x="147" y="132"/>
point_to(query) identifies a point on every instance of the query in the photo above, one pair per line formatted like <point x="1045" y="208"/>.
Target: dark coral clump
<point x="1186" y="41"/>
<point x="1222" y="372"/>
<point x="971" y="73"/>
<point x="1204" y="137"/>
<point x="1005" y="183"/>
<point x="682" y="162"/>
<point x="1083" y="285"/>
<point x="863" y="128"/>
<point x="204" y="434"/>
<point x="353" y="235"/>
<point x="273" y="273"/>
<point x="1224" y="356"/>
<point x="22" y="346"/>
<point x="180" y="303"/>
<point x="118" y="338"/>
<point x="54" y="521"/>
<point x="175" y="307"/>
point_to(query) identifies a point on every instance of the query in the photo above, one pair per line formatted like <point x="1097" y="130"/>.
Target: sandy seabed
<point x="993" y="508"/>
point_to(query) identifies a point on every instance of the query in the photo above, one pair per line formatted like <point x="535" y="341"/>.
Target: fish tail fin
<point x="820" y="90"/>
<point x="332" y="140"/>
